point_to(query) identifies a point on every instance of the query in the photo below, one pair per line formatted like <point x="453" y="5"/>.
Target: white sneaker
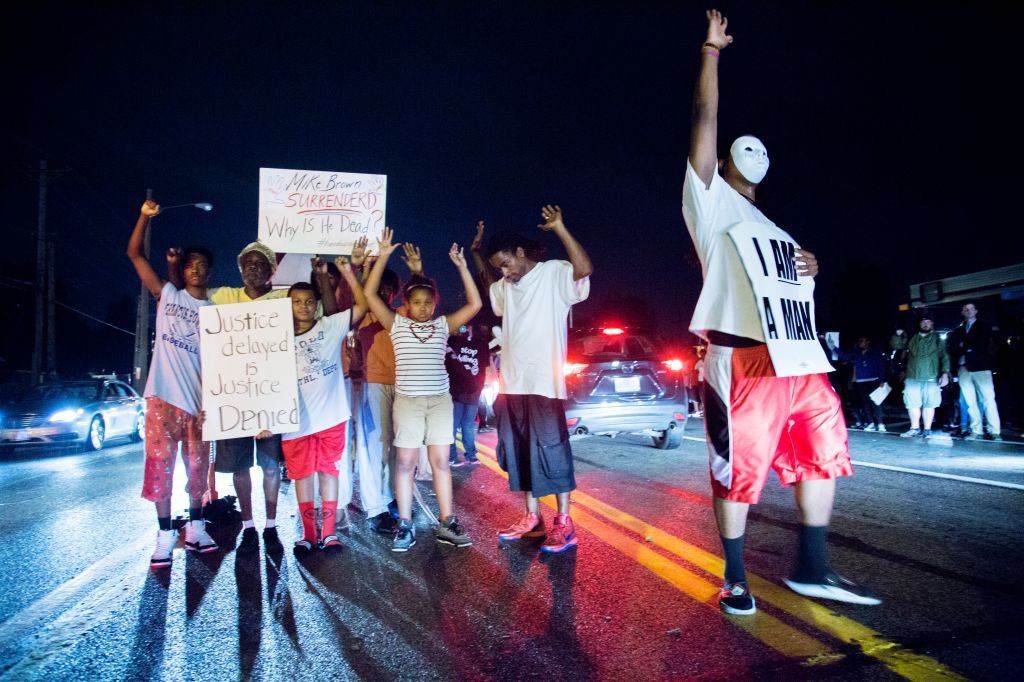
<point x="881" y="428"/>
<point x="197" y="539"/>
<point x="870" y="427"/>
<point x="165" y="541"/>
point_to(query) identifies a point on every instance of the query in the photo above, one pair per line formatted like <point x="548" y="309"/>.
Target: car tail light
<point x="574" y="368"/>
<point x="572" y="421"/>
<point x="680" y="416"/>
<point x="674" y="365"/>
<point x="613" y="331"/>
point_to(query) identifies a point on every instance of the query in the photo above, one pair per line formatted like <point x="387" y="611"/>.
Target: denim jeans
<point x="464" y="420"/>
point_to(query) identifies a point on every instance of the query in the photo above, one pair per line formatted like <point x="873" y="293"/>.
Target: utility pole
<point x="42" y="277"/>
<point x="141" y="360"/>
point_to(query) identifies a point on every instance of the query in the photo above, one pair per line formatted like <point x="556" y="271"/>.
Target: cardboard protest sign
<point x="321" y="212"/>
<point x="248" y="360"/>
<point x="785" y="300"/>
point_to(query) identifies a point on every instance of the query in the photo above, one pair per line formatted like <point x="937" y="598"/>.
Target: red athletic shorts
<point x="318" y="452"/>
<point x="756" y="421"/>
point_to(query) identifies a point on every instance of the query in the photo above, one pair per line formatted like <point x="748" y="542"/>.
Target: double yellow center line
<point x="595" y="515"/>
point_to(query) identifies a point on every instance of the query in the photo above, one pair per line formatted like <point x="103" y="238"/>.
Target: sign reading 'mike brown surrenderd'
<point x="323" y="212"/>
<point x="248" y="360"/>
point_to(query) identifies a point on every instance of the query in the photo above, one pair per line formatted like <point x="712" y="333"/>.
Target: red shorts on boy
<point x="318" y="452"/>
<point x="756" y="421"/>
<point x="166" y="427"/>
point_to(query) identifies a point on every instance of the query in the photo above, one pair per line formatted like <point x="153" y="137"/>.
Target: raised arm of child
<point x="359" y="308"/>
<point x="378" y="307"/>
<point x="136" y="249"/>
<point x="473" y="303"/>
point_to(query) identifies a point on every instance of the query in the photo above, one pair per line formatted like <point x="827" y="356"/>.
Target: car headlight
<point x="68" y="415"/>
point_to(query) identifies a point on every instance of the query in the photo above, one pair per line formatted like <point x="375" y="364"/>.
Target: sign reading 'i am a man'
<point x="785" y="300"/>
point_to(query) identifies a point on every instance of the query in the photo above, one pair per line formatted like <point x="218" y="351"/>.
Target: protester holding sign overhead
<point x="768" y="405"/>
<point x="423" y="406"/>
<point x="173" y="399"/>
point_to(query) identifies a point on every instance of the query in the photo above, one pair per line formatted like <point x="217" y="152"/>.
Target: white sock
<point x="271" y="523"/>
<point x="247" y="524"/>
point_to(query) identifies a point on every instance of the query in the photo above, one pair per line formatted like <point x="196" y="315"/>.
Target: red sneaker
<point x="562" y="535"/>
<point x="531" y="525"/>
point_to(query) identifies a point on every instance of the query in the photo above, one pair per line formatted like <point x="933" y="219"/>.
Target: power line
<point x="28" y="286"/>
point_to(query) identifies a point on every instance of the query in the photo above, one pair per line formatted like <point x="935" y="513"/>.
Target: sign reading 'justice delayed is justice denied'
<point x="248" y="360"/>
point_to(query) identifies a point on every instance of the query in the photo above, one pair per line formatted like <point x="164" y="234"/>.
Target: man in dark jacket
<point x="868" y="374"/>
<point x="970" y="348"/>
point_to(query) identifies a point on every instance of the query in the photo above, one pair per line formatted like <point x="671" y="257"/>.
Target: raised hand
<point x="384" y="246"/>
<point x="319" y="266"/>
<point x="359" y="251"/>
<point x="478" y="240"/>
<point x="717" y="25"/>
<point x="173" y="257"/>
<point x="343" y="264"/>
<point x="412" y="258"/>
<point x="806" y="263"/>
<point x="150" y="208"/>
<point x="552" y="217"/>
<point x="457" y="256"/>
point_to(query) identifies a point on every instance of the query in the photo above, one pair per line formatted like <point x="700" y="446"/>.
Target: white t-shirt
<point x="323" y="402"/>
<point x="726" y="302"/>
<point x="534" y="327"/>
<point x="174" y="373"/>
<point x="419" y="356"/>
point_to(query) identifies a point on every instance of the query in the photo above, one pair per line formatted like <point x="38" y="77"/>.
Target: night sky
<point x="895" y="147"/>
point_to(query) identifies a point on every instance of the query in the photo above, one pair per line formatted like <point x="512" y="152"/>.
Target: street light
<point x="141" y="362"/>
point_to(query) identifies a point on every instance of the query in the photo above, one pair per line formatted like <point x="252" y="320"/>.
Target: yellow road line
<point x="900" y="660"/>
<point x="776" y="634"/>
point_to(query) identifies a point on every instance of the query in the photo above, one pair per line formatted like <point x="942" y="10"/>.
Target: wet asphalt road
<point x="636" y="600"/>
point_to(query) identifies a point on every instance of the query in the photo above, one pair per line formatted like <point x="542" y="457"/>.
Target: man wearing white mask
<point x="758" y="417"/>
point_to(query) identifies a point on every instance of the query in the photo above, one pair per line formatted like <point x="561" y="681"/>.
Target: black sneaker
<point x="836" y="587"/>
<point x="271" y="542"/>
<point x="736" y="600"/>
<point x="250" y="543"/>
<point x="383" y="523"/>
<point x="405" y="537"/>
<point x="303" y="548"/>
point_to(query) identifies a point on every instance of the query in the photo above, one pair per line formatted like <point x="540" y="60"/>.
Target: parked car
<point x="87" y="412"/>
<point x="623" y="381"/>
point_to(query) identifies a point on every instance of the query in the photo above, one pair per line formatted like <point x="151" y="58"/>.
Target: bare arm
<point x="359" y="309"/>
<point x="473" y="303"/>
<point x="328" y="297"/>
<point x="704" y="135"/>
<point x="378" y="307"/>
<point x="581" y="265"/>
<point x="136" y="249"/>
<point x="483" y="268"/>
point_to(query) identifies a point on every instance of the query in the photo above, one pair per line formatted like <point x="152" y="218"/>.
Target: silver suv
<point x="620" y="381"/>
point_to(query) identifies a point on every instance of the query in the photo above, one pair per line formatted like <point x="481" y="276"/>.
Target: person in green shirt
<point x="927" y="373"/>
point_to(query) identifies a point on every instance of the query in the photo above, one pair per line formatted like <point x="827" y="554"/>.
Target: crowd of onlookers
<point x="946" y="379"/>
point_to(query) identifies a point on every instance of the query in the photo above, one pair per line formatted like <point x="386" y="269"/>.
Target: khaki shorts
<point x="918" y="394"/>
<point x="423" y="420"/>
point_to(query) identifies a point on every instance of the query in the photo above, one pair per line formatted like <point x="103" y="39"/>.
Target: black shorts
<point x="533" y="444"/>
<point x="235" y="455"/>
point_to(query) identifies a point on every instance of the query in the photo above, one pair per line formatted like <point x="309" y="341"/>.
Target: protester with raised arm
<point x="533" y="298"/>
<point x="173" y="390"/>
<point x="423" y="405"/>
<point x="756" y="418"/>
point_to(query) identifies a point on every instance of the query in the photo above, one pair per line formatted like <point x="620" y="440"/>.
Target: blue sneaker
<point x="405" y="536"/>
